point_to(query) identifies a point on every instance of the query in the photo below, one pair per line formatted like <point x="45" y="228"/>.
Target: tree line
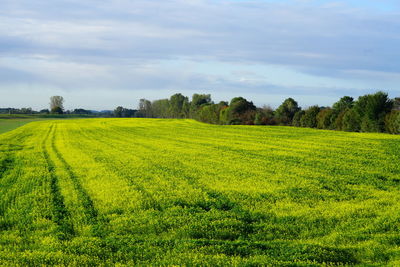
<point x="56" y="108"/>
<point x="369" y="113"/>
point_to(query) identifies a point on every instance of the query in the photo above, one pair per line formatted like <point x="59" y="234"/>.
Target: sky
<point x="99" y="54"/>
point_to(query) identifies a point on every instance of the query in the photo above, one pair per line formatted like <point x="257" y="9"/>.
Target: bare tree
<point x="57" y="104"/>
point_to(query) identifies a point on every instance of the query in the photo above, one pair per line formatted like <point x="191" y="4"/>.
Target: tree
<point x="176" y="104"/>
<point x="81" y="111"/>
<point x="343" y="104"/>
<point x="160" y="108"/>
<point x="121" y="112"/>
<point x="240" y="111"/>
<point x="285" y="112"/>
<point x="392" y="122"/>
<point x="309" y="119"/>
<point x="338" y="110"/>
<point x="264" y="116"/>
<point x="297" y="118"/>
<point x="337" y="122"/>
<point x="26" y="111"/>
<point x="198" y="100"/>
<point x="396" y="103"/>
<point x="210" y="113"/>
<point x="118" y="112"/>
<point x="350" y="121"/>
<point x="145" y="109"/>
<point x="57" y="104"/>
<point x="324" y="118"/>
<point x="371" y="110"/>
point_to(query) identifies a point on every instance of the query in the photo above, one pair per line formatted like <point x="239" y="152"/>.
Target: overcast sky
<point x="99" y="54"/>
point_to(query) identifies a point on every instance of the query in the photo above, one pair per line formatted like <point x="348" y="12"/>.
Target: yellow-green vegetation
<point x="179" y="192"/>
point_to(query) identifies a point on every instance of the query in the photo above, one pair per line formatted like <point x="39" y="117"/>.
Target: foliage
<point x="309" y="119"/>
<point x="367" y="114"/>
<point x="297" y="118"/>
<point x="337" y="120"/>
<point x="338" y="110"/>
<point x="121" y="112"/>
<point x="57" y="104"/>
<point x="57" y="110"/>
<point x="117" y="192"/>
<point x="344" y="103"/>
<point x="160" y="108"/>
<point x="371" y="110"/>
<point x="324" y="118"/>
<point x="198" y="100"/>
<point x="178" y="106"/>
<point x="210" y="113"/>
<point x="265" y="116"/>
<point x="392" y="122"/>
<point x="240" y="111"/>
<point x="286" y="111"/>
<point x="396" y="103"/>
<point x="145" y="108"/>
<point x="351" y="121"/>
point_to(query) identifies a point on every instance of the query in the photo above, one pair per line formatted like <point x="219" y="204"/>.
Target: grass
<point x="178" y="192"/>
<point x="11" y="124"/>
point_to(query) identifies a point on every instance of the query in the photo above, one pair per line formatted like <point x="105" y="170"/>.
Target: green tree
<point x="324" y="118"/>
<point x="264" y="116"/>
<point x="350" y="121"/>
<point x="285" y="112"/>
<point x="176" y="104"/>
<point x="343" y="104"/>
<point x="145" y="109"/>
<point x="198" y="100"/>
<point x="57" y="110"/>
<point x="210" y="113"/>
<point x="309" y="119"/>
<point x="118" y="111"/>
<point x="240" y="111"/>
<point x="396" y="103"/>
<point x="392" y="122"/>
<point x="371" y="110"/>
<point x="297" y="118"/>
<point x="338" y="121"/>
<point x="339" y="109"/>
<point x="160" y="108"/>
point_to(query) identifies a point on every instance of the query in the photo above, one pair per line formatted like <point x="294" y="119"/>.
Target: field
<point x="10" y="124"/>
<point x="179" y="192"/>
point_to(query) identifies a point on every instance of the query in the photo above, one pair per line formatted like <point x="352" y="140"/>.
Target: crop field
<point x="10" y="124"/>
<point x="178" y="192"/>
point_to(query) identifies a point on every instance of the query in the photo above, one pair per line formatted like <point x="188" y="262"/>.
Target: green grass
<point x="11" y="124"/>
<point x="178" y="192"/>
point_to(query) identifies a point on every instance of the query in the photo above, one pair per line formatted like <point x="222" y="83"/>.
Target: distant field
<point x="178" y="192"/>
<point x="10" y="124"/>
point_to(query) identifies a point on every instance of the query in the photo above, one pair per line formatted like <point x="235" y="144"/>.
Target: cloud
<point x="120" y="45"/>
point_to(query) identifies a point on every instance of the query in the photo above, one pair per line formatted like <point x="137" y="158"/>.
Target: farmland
<point x="10" y="124"/>
<point x="164" y="192"/>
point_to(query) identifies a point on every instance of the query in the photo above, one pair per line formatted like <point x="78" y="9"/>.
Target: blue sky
<point x="101" y="54"/>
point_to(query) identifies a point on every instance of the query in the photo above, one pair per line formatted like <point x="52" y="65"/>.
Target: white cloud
<point x="167" y="46"/>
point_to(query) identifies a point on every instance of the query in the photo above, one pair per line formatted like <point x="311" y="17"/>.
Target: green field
<point x="10" y="124"/>
<point x="179" y="192"/>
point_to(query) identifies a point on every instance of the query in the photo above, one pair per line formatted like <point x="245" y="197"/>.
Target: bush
<point x="324" y="118"/>
<point x="297" y="118"/>
<point x="351" y="121"/>
<point x="309" y="119"/>
<point x="392" y="122"/>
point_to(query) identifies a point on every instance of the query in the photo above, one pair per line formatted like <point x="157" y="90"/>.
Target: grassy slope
<point x="180" y="192"/>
